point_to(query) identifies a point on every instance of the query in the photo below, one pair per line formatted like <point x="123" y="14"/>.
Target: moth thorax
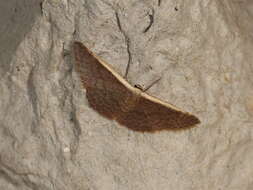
<point x="129" y="103"/>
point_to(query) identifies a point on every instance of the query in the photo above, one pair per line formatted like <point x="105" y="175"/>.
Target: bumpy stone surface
<point x="50" y="139"/>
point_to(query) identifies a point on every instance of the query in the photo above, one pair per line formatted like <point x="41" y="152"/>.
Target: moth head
<point x="139" y="87"/>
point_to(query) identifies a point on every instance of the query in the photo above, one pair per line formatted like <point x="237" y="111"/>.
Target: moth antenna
<point x="148" y="87"/>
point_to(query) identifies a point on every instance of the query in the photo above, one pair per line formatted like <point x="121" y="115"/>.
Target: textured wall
<point x="50" y="138"/>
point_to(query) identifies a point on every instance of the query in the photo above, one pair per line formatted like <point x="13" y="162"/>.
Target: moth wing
<point x="151" y="114"/>
<point x="105" y="89"/>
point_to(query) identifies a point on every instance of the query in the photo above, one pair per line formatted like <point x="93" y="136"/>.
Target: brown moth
<point x="114" y="98"/>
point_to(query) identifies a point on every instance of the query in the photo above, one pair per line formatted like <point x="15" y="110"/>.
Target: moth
<point x="114" y="98"/>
